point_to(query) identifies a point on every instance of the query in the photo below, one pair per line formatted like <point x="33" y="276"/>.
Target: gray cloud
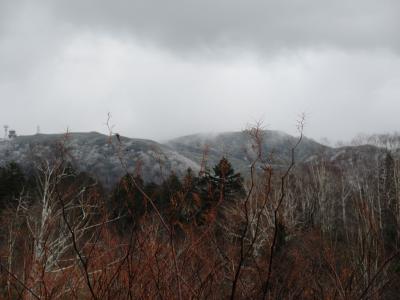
<point x="167" y="68"/>
<point x="260" y="24"/>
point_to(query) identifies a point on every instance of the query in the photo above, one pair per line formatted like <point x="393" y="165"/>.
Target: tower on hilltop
<point x="6" y="131"/>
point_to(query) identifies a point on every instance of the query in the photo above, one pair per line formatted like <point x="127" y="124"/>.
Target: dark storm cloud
<point x="263" y="25"/>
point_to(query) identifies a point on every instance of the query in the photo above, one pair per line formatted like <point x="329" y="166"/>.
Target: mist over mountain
<point x="107" y="158"/>
<point x="237" y="146"/>
<point x="147" y="186"/>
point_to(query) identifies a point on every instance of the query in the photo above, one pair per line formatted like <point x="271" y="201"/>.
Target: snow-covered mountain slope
<point x="237" y="146"/>
<point x="102" y="156"/>
<point x="105" y="157"/>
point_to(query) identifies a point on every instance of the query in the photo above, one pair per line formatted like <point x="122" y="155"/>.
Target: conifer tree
<point x="222" y="185"/>
<point x="127" y="201"/>
<point x="12" y="182"/>
<point x="388" y="193"/>
<point x="225" y="183"/>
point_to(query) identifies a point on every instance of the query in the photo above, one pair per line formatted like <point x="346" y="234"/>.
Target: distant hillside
<point x="92" y="152"/>
<point x="100" y="155"/>
<point x="237" y="146"/>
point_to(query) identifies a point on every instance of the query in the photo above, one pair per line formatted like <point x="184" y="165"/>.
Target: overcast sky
<point x="170" y="68"/>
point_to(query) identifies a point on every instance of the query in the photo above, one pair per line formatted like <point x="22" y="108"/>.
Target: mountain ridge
<point x="105" y="156"/>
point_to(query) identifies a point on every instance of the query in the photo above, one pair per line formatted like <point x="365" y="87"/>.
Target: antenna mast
<point x="6" y="131"/>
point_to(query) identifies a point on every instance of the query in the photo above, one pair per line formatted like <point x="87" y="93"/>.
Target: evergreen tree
<point x="221" y="185"/>
<point x="127" y="201"/>
<point x="12" y="182"/>
<point x="225" y="183"/>
<point x="191" y="205"/>
<point x="169" y="190"/>
<point x="388" y="195"/>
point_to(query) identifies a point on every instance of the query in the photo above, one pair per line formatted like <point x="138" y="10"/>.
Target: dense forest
<point x="315" y="230"/>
